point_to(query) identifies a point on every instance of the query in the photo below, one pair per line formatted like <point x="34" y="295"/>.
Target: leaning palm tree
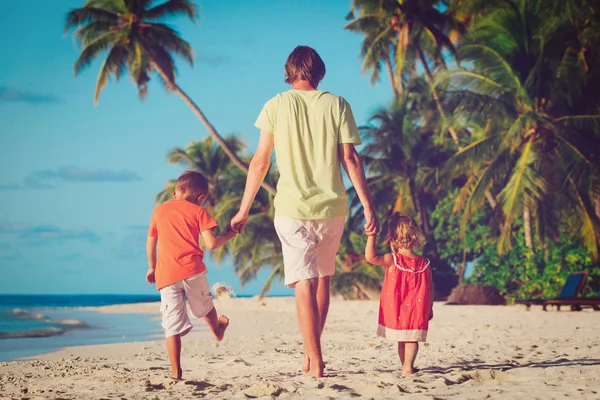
<point x="130" y="34"/>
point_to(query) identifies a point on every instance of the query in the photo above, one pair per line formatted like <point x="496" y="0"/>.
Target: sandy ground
<point x="473" y="352"/>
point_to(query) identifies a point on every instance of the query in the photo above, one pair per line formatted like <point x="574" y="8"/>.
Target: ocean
<point x="36" y="324"/>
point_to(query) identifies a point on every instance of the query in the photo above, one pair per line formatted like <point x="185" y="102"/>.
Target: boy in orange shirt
<point x="179" y="270"/>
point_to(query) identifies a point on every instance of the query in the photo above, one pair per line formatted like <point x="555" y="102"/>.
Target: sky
<point x="77" y="181"/>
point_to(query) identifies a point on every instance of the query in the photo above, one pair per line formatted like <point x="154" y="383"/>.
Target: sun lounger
<point x="576" y="303"/>
<point x="568" y="295"/>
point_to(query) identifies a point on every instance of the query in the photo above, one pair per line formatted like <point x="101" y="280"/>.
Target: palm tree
<point x="133" y="39"/>
<point x="402" y="157"/>
<point x="258" y="247"/>
<point x="378" y="45"/>
<point x="207" y="158"/>
<point x="529" y="130"/>
<point x="421" y="32"/>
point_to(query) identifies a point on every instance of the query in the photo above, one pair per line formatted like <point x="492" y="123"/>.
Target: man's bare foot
<point x="221" y="327"/>
<point x="306" y="366"/>
<point x="316" y="372"/>
<point x="306" y="363"/>
<point x="176" y="373"/>
<point x="407" y="371"/>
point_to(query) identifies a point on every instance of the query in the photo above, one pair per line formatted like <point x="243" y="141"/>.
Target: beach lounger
<point x="576" y="303"/>
<point x="571" y="289"/>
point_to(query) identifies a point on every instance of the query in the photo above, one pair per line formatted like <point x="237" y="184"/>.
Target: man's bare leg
<point x="322" y="307"/>
<point x="217" y="323"/>
<point x="310" y="325"/>
<point x="410" y="355"/>
<point x="174" y="351"/>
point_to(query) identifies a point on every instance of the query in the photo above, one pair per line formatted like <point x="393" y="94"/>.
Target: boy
<point x="313" y="133"/>
<point x="179" y="270"/>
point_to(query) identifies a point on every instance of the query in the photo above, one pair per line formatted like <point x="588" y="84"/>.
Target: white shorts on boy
<point x="309" y="246"/>
<point x="175" y="319"/>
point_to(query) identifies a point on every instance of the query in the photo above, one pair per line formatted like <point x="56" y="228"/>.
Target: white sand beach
<point x="473" y="352"/>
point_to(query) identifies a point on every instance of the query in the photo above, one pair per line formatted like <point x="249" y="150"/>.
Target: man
<point x="313" y="132"/>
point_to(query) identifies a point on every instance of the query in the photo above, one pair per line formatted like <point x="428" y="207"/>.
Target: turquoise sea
<point x="36" y="324"/>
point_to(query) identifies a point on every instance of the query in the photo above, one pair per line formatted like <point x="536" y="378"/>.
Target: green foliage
<point x="518" y="274"/>
<point x="455" y="245"/>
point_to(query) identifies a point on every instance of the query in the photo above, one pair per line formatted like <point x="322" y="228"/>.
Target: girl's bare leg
<point x="410" y="355"/>
<point x="401" y="350"/>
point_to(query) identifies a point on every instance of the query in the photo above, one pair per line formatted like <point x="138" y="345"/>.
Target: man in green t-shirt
<point x="313" y="133"/>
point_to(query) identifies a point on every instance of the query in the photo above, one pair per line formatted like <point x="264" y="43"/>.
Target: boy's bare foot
<point x="407" y="371"/>
<point x="223" y="323"/>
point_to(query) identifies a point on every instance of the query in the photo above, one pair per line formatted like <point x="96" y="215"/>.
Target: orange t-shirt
<point x="178" y="224"/>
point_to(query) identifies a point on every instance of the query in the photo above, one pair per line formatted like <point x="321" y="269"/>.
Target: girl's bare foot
<point x="223" y="323"/>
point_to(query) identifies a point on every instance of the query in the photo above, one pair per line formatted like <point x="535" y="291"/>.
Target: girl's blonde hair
<point x="404" y="233"/>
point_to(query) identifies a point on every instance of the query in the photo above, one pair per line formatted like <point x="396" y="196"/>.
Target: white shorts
<point x="309" y="246"/>
<point x="175" y="319"/>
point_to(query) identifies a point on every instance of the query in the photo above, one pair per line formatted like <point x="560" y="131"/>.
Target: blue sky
<point x="78" y="181"/>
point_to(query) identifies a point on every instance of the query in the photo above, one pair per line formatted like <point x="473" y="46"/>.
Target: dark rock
<point x="474" y="294"/>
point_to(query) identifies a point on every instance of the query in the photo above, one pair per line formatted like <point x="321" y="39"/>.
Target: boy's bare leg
<point x="217" y="323"/>
<point x="310" y="325"/>
<point x="410" y="355"/>
<point x="322" y="307"/>
<point x="174" y="350"/>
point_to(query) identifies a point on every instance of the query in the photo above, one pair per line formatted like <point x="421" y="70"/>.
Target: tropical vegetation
<point x="491" y="139"/>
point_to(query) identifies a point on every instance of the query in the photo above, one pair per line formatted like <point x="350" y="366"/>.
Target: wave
<point x="55" y="328"/>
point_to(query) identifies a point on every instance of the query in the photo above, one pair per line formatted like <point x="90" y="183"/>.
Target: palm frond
<point x="172" y="8"/>
<point x="93" y="49"/>
<point x="84" y="15"/>
<point x="113" y="64"/>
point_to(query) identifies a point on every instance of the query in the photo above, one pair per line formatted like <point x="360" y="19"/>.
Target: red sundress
<point x="405" y="303"/>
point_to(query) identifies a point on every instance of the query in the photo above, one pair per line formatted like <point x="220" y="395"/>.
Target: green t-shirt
<point x="307" y="127"/>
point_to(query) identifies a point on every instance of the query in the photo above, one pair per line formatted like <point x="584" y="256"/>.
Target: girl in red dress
<point x="406" y="304"/>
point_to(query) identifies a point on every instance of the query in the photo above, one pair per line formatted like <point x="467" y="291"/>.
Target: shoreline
<point x="472" y="352"/>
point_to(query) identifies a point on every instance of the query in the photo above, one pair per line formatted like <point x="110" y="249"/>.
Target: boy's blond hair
<point x="304" y="63"/>
<point x="404" y="233"/>
<point x="192" y="182"/>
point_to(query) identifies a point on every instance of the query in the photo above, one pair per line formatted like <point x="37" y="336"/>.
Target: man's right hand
<point x="238" y="222"/>
<point x="371" y="223"/>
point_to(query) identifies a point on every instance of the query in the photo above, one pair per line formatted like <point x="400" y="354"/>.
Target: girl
<point x="406" y="304"/>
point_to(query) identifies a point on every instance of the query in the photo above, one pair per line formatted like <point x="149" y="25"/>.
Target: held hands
<point x="238" y="222"/>
<point x="371" y="224"/>
<point x="150" y="276"/>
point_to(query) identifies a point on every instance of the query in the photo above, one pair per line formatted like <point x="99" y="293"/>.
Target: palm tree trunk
<point x="438" y="104"/>
<point x="396" y="88"/>
<point x="527" y="227"/>
<point x="210" y="128"/>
